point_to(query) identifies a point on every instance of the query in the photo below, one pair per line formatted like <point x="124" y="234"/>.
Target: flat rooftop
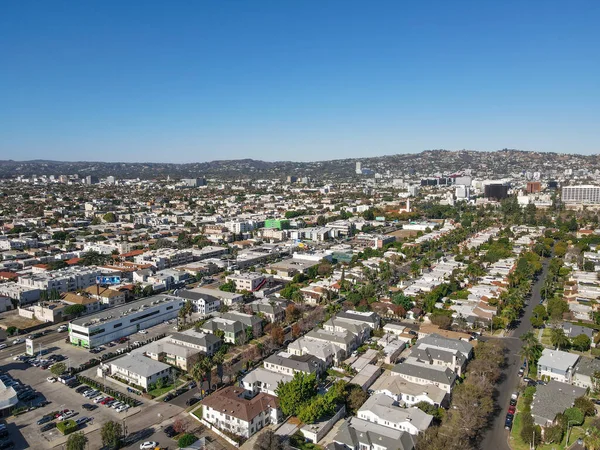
<point x="115" y="313"/>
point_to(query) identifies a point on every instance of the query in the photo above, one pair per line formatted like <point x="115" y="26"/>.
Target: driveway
<point x="497" y="437"/>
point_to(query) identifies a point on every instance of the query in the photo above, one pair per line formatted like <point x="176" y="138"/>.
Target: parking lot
<point x="24" y="430"/>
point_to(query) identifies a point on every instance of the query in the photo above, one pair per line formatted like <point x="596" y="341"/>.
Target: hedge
<point x="66" y="427"/>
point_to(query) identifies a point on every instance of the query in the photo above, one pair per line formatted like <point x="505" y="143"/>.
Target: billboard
<point x="108" y="280"/>
<point x="29" y="346"/>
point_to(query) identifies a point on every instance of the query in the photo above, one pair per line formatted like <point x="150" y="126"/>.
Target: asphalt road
<point x="44" y="341"/>
<point x="497" y="437"/>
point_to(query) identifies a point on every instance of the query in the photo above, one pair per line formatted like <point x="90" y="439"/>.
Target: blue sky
<point x="183" y="81"/>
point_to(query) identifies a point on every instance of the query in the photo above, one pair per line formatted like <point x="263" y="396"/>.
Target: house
<point x="366" y="376"/>
<point x="263" y="380"/>
<point x="557" y="365"/>
<point x="108" y="297"/>
<point x="321" y="349"/>
<point x="572" y="330"/>
<point x="408" y="393"/>
<point x="289" y="364"/>
<point x="383" y="410"/>
<point x="250" y="321"/>
<point x="208" y="344"/>
<point x="551" y="399"/>
<point x="345" y="340"/>
<point x="247" y="281"/>
<point x="273" y="310"/>
<point x="234" y="332"/>
<point x="584" y="373"/>
<point x="165" y="351"/>
<point x="437" y="350"/>
<point x="226" y="298"/>
<point x="420" y="373"/>
<point x="358" y="434"/>
<point x="136" y="369"/>
<point x="229" y="409"/>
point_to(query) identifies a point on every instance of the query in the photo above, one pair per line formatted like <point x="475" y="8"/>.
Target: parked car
<point x="512" y="409"/>
<point x="89" y="407"/>
<point x="7" y="444"/>
<point x="62" y="329"/>
<point x="521" y="371"/>
<point x="51" y="380"/>
<point x="508" y="423"/>
<point x="48" y="427"/>
<point x="18" y="341"/>
<point x="143" y="332"/>
<point x="82" y="389"/>
<point x="122" y="408"/>
<point x="82" y="420"/>
<point x="192" y="401"/>
<point x="3" y="346"/>
<point x="148" y="445"/>
<point x="44" y="419"/>
<point x="513" y="402"/>
<point x="170" y="431"/>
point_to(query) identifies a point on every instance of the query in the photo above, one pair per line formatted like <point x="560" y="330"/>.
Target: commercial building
<point x="280" y="224"/>
<point x="193" y="182"/>
<point x="8" y="399"/>
<point x="68" y="279"/>
<point x="496" y="191"/>
<point x="533" y="187"/>
<point x="100" y="328"/>
<point x="583" y="194"/>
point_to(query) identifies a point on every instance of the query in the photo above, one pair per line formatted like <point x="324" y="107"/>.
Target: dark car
<point x="82" y="389"/>
<point x="510" y="417"/>
<point x="192" y="385"/>
<point x="170" y="431"/>
<point x="508" y="424"/>
<point x="527" y="379"/>
<point x="7" y="444"/>
<point x="542" y="382"/>
<point x="44" y="419"/>
<point x="531" y="383"/>
<point x="48" y="426"/>
<point x="89" y="407"/>
<point x="168" y="398"/>
<point x="192" y="401"/>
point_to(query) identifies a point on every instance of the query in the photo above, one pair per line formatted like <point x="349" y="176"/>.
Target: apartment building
<point x="230" y="410"/>
<point x="247" y="281"/>
<point x="165" y="258"/>
<point x="68" y="279"/>
<point x="383" y="410"/>
<point x="137" y="369"/>
<point x="290" y="364"/>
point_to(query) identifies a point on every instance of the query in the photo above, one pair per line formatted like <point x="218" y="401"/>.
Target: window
<point x="169" y="307"/>
<point x="144" y="316"/>
<point x="79" y="332"/>
<point x="117" y="325"/>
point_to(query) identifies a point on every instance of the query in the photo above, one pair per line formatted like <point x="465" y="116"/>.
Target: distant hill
<point x="497" y="163"/>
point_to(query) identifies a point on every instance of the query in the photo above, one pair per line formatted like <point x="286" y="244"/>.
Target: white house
<point x="137" y="369"/>
<point x="383" y="410"/>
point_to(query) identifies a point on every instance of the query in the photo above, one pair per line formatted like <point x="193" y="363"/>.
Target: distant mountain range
<point x="498" y="163"/>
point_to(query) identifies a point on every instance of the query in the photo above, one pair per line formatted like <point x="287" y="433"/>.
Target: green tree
<point x="355" y="398"/>
<point x="403" y="300"/>
<point x="58" y="368"/>
<point x="228" y="287"/>
<point x="111" y="433"/>
<point x="268" y="440"/>
<point x="558" y="338"/>
<point x="574" y="416"/>
<point x="110" y="217"/>
<point x="539" y="316"/>
<point x="553" y="434"/>
<point x="581" y="343"/>
<point x="293" y="394"/>
<point x="74" y="310"/>
<point x="585" y="405"/>
<point x="76" y="441"/>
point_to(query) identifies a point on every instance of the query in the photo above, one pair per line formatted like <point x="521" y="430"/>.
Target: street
<point x="497" y="437"/>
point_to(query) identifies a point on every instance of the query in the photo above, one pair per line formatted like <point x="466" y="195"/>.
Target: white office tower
<point x="358" y="168"/>
<point x="413" y="190"/>
<point x="463" y="192"/>
<point x="583" y="194"/>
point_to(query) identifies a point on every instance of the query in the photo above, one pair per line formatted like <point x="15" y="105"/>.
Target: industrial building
<point x="108" y="325"/>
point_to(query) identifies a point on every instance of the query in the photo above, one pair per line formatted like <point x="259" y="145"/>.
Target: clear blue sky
<point x="182" y="81"/>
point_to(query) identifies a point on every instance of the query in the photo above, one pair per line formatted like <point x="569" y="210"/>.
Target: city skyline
<point x="299" y="82"/>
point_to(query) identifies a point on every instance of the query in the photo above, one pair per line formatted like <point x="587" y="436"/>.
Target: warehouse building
<point x="108" y="325"/>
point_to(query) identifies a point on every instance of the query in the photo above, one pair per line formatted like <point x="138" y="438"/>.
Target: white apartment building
<point x="248" y="281"/>
<point x="383" y="410"/>
<point x="137" y="369"/>
<point x="582" y="194"/>
<point x="230" y="410"/>
<point x="68" y="279"/>
<point x="165" y="257"/>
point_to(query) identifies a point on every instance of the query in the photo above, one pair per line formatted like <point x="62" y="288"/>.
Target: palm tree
<point x="529" y="338"/>
<point x="197" y="373"/>
<point x="558" y="338"/>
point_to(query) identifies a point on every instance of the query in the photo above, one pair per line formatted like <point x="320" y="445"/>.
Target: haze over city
<point x="198" y="81"/>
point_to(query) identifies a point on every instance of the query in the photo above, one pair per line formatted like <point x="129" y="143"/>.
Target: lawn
<point x="546" y="337"/>
<point x="158" y="392"/>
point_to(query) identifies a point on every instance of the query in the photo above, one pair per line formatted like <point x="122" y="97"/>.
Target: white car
<point x="51" y="380"/>
<point x="18" y="341"/>
<point x="66" y="415"/>
<point x="122" y="408"/>
<point x="99" y="398"/>
<point x="3" y="346"/>
<point x="62" y="328"/>
<point x="143" y="332"/>
<point x="148" y="445"/>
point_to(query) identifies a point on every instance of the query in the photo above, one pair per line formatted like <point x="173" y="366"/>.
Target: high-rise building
<point x="194" y="182"/>
<point x="463" y="192"/>
<point x="91" y="179"/>
<point x="533" y="187"/>
<point x="496" y="191"/>
<point x="358" y="168"/>
<point x="583" y="194"/>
